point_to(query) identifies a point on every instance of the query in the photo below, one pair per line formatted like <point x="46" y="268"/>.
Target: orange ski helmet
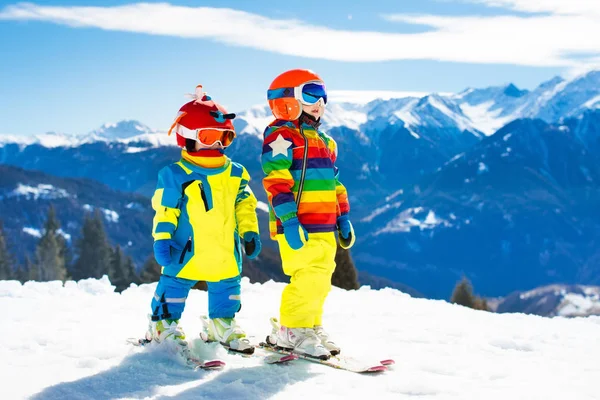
<point x="285" y="93"/>
<point x="204" y="121"/>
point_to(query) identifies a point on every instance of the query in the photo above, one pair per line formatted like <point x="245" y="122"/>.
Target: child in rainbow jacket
<point x="307" y="205"/>
<point x="205" y="210"/>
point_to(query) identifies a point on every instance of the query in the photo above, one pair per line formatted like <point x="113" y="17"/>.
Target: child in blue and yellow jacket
<point x="205" y="210"/>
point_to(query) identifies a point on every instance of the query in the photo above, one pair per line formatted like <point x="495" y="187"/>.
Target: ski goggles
<point x="308" y="93"/>
<point x="208" y="136"/>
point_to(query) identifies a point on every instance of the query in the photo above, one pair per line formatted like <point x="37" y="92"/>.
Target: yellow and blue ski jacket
<point x="205" y="211"/>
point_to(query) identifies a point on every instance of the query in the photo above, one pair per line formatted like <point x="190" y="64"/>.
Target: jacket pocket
<point x="188" y="247"/>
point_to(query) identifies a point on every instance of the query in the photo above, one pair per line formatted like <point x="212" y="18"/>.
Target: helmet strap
<point x="308" y="119"/>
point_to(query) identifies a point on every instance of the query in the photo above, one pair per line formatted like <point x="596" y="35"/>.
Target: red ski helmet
<point x="204" y="121"/>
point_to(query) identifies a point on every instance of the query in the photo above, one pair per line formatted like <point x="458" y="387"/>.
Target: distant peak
<point x="122" y="130"/>
<point x="512" y="91"/>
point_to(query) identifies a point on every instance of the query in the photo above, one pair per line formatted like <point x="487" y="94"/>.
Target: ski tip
<point x="387" y="362"/>
<point x="377" y="368"/>
<point x="214" y="364"/>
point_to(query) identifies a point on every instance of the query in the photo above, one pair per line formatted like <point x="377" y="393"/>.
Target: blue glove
<point x="291" y="231"/>
<point x="162" y="251"/>
<point x="252" y="244"/>
<point x="345" y="231"/>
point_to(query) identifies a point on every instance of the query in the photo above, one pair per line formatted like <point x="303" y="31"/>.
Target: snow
<point x="381" y="210"/>
<point x="337" y="115"/>
<point x="136" y="149"/>
<point x="261" y="205"/>
<point x="68" y="342"/>
<point x="33" y="232"/>
<point x="256" y="117"/>
<point x="592" y="103"/>
<point x="462" y="122"/>
<point x="484" y="118"/>
<point x="366" y="96"/>
<point x="109" y="215"/>
<point x="43" y="191"/>
<point x="411" y="218"/>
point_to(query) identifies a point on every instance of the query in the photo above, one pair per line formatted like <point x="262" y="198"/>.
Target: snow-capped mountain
<point x="122" y="130"/>
<point x="554" y="300"/>
<point x="415" y="167"/>
<point x="518" y="210"/>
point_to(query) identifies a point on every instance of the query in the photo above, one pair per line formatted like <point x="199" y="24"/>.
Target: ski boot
<point x="303" y="341"/>
<point x="326" y="341"/>
<point x="227" y="332"/>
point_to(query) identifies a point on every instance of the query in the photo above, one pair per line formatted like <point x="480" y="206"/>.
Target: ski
<point x="338" y="362"/>
<point x="250" y="353"/>
<point x="190" y="361"/>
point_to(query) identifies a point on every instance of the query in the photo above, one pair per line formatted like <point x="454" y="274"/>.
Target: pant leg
<point x="310" y="270"/>
<point x="170" y="296"/>
<point x="224" y="298"/>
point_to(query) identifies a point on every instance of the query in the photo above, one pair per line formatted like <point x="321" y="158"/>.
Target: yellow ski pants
<point x="310" y="269"/>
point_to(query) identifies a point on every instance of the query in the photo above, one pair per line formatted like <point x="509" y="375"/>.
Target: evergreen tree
<point x="122" y="270"/>
<point x="93" y="249"/>
<point x="463" y="294"/>
<point x="50" y="251"/>
<point x="23" y="273"/>
<point x="130" y="271"/>
<point x="6" y="271"/>
<point x="150" y="271"/>
<point x="481" y="304"/>
<point x="345" y="275"/>
<point x="118" y="272"/>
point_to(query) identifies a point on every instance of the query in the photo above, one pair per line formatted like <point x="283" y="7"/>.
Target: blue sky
<point x="71" y="66"/>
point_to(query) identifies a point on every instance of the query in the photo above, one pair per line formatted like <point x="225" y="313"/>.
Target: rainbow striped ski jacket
<point x="301" y="178"/>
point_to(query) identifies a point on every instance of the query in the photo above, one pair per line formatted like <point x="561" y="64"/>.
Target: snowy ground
<point x="69" y="343"/>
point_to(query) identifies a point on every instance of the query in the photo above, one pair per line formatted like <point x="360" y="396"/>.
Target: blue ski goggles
<point x="308" y="93"/>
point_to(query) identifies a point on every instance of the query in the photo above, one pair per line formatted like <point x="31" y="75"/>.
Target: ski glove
<point x="295" y="234"/>
<point x="162" y="251"/>
<point x="345" y="231"/>
<point x="252" y="244"/>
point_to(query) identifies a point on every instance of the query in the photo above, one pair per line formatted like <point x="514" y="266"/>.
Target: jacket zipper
<point x="188" y="247"/>
<point x="203" y="195"/>
<point x="304" y="161"/>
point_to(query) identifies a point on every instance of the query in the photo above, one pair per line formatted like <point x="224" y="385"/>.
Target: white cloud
<point x="566" y="28"/>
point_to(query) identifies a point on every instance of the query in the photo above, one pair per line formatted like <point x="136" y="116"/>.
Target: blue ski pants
<point x="171" y="294"/>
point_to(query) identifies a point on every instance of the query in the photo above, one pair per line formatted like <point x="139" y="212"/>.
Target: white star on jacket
<point x="280" y="146"/>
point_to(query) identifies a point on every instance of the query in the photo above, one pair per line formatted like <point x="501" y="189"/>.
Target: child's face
<point x="215" y="146"/>
<point x="316" y="110"/>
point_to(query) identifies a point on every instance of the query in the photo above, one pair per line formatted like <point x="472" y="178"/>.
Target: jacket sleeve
<point x="245" y="207"/>
<point x="276" y="162"/>
<point x="164" y="202"/>
<point x="343" y="206"/>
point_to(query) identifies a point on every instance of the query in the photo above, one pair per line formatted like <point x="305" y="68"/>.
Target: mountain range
<point x="496" y="184"/>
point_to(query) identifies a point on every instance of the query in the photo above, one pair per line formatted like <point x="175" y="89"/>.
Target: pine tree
<point x="50" y="251"/>
<point x="122" y="270"/>
<point x="93" y="250"/>
<point x="6" y="271"/>
<point x="345" y="275"/>
<point x="150" y="271"/>
<point x="130" y="271"/>
<point x="463" y="294"/>
<point x="23" y="273"/>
